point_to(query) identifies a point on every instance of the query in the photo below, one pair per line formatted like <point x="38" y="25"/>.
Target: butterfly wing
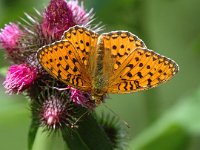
<point x="120" y="44"/>
<point x="142" y="70"/>
<point x="84" y="41"/>
<point x="117" y="46"/>
<point x="134" y="67"/>
<point x="62" y="61"/>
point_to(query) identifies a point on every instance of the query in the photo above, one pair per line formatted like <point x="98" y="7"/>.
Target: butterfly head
<point x="98" y="99"/>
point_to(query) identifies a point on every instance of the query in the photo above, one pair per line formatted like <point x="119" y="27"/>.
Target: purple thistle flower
<point x="56" y="112"/>
<point x="10" y="36"/>
<point x="80" y="98"/>
<point x="80" y="16"/>
<point x="19" y="78"/>
<point x="52" y="111"/>
<point x="49" y="107"/>
<point x="56" y="19"/>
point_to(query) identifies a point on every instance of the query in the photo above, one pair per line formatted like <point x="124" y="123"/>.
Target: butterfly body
<point x="114" y="62"/>
<point x="99" y="79"/>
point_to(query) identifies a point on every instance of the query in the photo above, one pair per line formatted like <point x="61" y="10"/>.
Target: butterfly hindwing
<point x="142" y="69"/>
<point x="62" y="61"/>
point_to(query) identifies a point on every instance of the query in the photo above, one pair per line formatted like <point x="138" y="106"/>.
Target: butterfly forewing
<point x="84" y="41"/>
<point x="120" y="44"/>
<point x="62" y="61"/>
<point x="142" y="70"/>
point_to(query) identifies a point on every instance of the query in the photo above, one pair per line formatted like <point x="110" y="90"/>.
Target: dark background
<point x="164" y="118"/>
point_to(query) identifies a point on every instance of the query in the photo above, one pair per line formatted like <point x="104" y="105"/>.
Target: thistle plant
<point x="53" y="104"/>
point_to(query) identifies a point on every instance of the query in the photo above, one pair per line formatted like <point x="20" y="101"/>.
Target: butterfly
<point x="114" y="62"/>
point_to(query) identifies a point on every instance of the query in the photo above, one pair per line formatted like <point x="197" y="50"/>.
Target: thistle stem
<point x="45" y="140"/>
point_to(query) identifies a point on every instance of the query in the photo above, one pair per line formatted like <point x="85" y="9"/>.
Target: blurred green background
<point x="167" y="117"/>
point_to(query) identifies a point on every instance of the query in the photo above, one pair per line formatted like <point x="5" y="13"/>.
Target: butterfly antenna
<point x="56" y="88"/>
<point x="60" y="89"/>
<point x="125" y="122"/>
<point x="74" y="124"/>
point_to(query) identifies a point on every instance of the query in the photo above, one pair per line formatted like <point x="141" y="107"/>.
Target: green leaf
<point x="48" y="140"/>
<point x="42" y="140"/>
<point x="88" y="136"/>
<point x="174" y="129"/>
<point x="171" y="137"/>
<point x="73" y="140"/>
<point x="31" y="135"/>
<point x="3" y="71"/>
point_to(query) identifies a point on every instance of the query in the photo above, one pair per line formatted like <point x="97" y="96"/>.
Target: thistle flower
<point x="80" y="98"/>
<point x="19" y="78"/>
<point x="55" y="112"/>
<point x="37" y="31"/>
<point x="10" y="36"/>
<point x="80" y="16"/>
<point x="27" y="74"/>
<point x="53" y="109"/>
<point x="56" y="19"/>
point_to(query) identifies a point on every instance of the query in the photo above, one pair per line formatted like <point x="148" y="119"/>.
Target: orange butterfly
<point x="114" y="62"/>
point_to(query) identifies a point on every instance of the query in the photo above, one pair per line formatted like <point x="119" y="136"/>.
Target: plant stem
<point x="45" y="140"/>
<point x="88" y="136"/>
